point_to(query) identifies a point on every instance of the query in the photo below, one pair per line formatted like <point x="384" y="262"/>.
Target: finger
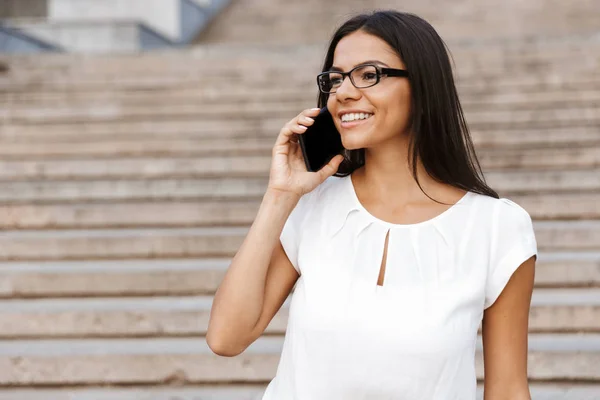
<point x="296" y="125"/>
<point x="310" y="112"/>
<point x="306" y="115"/>
<point x="284" y="136"/>
<point x="306" y="121"/>
<point x="288" y="132"/>
<point x="331" y="167"/>
<point x="305" y="118"/>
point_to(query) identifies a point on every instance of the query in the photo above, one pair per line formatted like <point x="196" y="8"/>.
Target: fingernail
<point x="302" y="127"/>
<point x="315" y="109"/>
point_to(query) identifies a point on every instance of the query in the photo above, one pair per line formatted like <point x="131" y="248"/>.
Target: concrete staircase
<point x="128" y="183"/>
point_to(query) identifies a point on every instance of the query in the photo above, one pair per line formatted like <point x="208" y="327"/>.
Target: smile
<point x="355" y="117"/>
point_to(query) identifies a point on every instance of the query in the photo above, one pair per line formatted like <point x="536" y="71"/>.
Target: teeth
<point x="355" y="116"/>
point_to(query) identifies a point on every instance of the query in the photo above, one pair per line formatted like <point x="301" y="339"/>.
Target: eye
<point x="369" y="76"/>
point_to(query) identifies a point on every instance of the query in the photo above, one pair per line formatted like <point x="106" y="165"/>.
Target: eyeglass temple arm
<point x="394" y="72"/>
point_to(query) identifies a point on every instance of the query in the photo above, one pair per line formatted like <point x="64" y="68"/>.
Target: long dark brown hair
<point x="440" y="136"/>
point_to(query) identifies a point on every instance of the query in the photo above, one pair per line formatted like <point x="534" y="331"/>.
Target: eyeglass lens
<point x="361" y="77"/>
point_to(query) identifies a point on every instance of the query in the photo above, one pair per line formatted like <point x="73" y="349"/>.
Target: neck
<point x="387" y="174"/>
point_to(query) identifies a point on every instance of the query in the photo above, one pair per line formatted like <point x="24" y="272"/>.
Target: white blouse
<point x="413" y="338"/>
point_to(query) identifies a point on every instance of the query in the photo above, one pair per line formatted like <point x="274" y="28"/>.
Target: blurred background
<point x="135" y="145"/>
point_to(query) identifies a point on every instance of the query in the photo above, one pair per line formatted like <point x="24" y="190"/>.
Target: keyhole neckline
<point x="392" y="225"/>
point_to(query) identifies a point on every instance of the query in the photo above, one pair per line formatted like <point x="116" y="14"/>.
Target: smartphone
<point x="320" y="142"/>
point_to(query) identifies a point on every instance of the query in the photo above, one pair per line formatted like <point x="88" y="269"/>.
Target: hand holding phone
<point x="289" y="172"/>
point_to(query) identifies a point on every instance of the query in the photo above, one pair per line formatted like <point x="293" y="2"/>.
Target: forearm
<point x="510" y="392"/>
<point x="238" y="302"/>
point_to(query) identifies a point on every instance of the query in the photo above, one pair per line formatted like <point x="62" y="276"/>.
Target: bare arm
<point x="505" y="327"/>
<point x="261" y="276"/>
<point x="257" y="282"/>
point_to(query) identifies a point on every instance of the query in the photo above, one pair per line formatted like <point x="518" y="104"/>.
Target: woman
<point x="400" y="256"/>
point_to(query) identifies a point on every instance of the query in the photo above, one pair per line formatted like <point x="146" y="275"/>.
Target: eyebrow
<point x="334" y="68"/>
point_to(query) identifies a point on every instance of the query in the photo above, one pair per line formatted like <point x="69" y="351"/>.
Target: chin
<point x="353" y="142"/>
<point x="352" y="146"/>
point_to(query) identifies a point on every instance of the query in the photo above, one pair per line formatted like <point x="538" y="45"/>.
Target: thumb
<point x="331" y="167"/>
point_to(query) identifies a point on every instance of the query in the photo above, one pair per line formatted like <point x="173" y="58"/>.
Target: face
<point x="388" y="102"/>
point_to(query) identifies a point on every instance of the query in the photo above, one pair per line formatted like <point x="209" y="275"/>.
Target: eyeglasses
<point x="362" y="76"/>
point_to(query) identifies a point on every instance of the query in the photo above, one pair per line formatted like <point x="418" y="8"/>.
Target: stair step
<point x="259" y="164"/>
<point x="148" y="88"/>
<point x="242" y="105"/>
<point x="121" y="243"/>
<point x="186" y="277"/>
<point x="189" y="360"/>
<point x="165" y="277"/>
<point x="202" y="138"/>
<point x="506" y="183"/>
<point x="234" y="137"/>
<point x="549" y="97"/>
<point x="171" y="392"/>
<point x="562" y="269"/>
<point x="561" y="115"/>
<point x="539" y="391"/>
<point x="488" y="61"/>
<point x="484" y="61"/>
<point x="555" y="74"/>
<point x="567" y="235"/>
<point x="239" y="212"/>
<point x="574" y="205"/>
<point x="127" y="215"/>
<point x="132" y="190"/>
<point x="550" y="158"/>
<point x="552" y="310"/>
<point x="550" y="181"/>
<point x="214" y="242"/>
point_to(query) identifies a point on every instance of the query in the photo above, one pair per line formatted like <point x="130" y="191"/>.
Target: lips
<point x="351" y="124"/>
<point x="352" y="111"/>
<point x="350" y="117"/>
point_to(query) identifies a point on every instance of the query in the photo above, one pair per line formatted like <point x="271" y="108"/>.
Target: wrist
<point x="282" y="195"/>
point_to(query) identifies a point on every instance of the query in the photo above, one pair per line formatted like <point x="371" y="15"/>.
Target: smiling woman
<point x="391" y="284"/>
<point x="437" y="134"/>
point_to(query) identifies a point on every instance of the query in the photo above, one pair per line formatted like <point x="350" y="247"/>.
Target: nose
<point x="347" y="90"/>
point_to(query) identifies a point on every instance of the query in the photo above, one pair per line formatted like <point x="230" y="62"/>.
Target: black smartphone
<point x="320" y="142"/>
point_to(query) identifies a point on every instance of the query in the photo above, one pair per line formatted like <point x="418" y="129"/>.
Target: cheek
<point x="331" y="106"/>
<point x="394" y="113"/>
<point x="397" y="104"/>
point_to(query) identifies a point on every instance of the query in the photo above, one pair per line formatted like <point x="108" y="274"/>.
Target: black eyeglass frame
<point x="381" y="71"/>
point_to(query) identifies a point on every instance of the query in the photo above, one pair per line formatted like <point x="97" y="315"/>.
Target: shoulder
<point x="507" y="212"/>
<point x="319" y="197"/>
<point x="330" y="186"/>
<point x="499" y="208"/>
<point x="509" y="221"/>
<point x="327" y="192"/>
<point x="495" y="220"/>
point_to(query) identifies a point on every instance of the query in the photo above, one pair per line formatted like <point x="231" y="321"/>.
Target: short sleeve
<point x="513" y="242"/>
<point x="291" y="235"/>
